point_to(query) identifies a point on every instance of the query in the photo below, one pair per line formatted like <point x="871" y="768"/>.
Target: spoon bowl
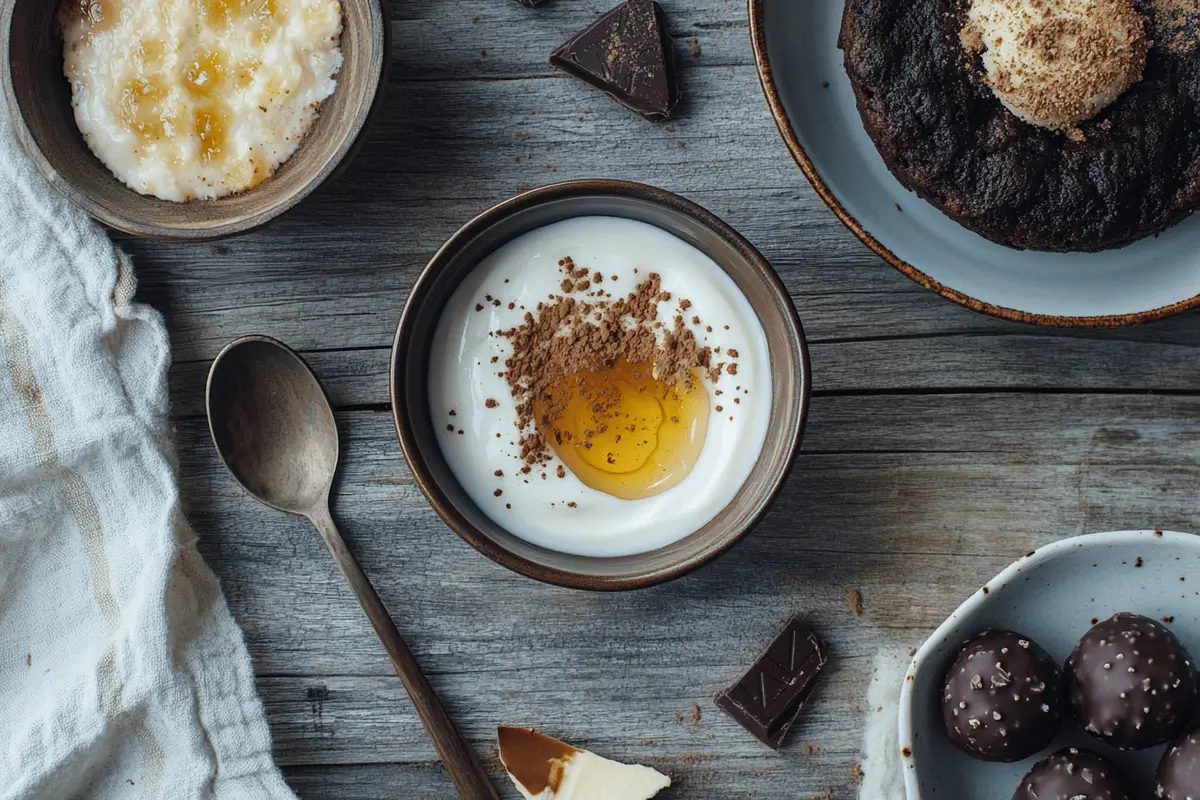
<point x="272" y="424"/>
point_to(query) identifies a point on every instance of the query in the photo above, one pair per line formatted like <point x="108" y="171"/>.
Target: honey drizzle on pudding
<point x="187" y="99"/>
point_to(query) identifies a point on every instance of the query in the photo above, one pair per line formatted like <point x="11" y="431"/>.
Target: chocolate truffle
<point x="1073" y="775"/>
<point x="1131" y="683"/>
<point x="1003" y="697"/>
<point x="1179" y="771"/>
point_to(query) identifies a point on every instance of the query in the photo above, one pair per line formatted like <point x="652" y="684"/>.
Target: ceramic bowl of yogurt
<point x="599" y="384"/>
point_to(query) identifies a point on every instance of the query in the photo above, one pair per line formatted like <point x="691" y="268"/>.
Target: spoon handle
<point x="464" y="768"/>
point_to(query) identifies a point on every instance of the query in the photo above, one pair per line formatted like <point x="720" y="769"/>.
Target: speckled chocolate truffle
<point x="1131" y="683"/>
<point x="1073" y="775"/>
<point x="1179" y="771"/>
<point x="1002" y="699"/>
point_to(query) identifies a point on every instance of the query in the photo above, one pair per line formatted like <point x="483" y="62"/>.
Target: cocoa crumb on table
<point x="498" y="492"/>
<point x="491" y="402"/>
<point x="855" y="601"/>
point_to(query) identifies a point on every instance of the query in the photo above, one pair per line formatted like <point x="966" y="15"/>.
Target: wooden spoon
<point x="274" y="430"/>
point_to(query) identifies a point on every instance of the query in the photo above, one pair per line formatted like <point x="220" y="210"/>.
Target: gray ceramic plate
<point x="1051" y="595"/>
<point x="795" y="43"/>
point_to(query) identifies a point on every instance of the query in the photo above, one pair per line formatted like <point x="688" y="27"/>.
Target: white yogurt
<point x="462" y="377"/>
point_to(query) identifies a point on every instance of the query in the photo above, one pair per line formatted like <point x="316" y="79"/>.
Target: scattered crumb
<point x="695" y="713"/>
<point x="499" y="473"/>
<point x="498" y="492"/>
<point x="824" y="84"/>
<point x="854" y="598"/>
<point x="858" y="774"/>
<point x="696" y="51"/>
<point x="1139" y="562"/>
<point x="1168" y="620"/>
<point x="491" y="402"/>
<point x="29" y="659"/>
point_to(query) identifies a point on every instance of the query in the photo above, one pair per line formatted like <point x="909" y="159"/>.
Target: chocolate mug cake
<point x="1061" y="125"/>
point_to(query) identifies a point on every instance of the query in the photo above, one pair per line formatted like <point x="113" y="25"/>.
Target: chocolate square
<point x="769" y="697"/>
<point x="628" y="54"/>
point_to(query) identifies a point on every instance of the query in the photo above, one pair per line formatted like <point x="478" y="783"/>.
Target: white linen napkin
<point x="122" y="673"/>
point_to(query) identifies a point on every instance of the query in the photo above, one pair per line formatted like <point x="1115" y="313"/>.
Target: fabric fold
<point x="120" y="664"/>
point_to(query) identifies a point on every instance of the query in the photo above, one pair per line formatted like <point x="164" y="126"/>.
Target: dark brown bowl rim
<point x="354" y="138"/>
<point x="442" y="504"/>
<point x="758" y="38"/>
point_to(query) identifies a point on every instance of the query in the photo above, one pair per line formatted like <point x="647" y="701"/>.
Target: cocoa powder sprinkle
<point x="570" y="334"/>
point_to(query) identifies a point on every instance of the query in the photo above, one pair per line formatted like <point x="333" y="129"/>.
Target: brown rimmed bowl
<point x="750" y="271"/>
<point x="810" y="97"/>
<point x="39" y="101"/>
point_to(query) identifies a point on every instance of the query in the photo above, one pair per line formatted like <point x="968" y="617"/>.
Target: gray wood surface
<point x="941" y="445"/>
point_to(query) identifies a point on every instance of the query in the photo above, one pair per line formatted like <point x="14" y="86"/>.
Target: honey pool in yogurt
<point x="600" y="387"/>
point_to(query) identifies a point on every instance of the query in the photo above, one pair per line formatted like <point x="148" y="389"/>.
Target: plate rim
<point x="758" y="40"/>
<point x="971" y="604"/>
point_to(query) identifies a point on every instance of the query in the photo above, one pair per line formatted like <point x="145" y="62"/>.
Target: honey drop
<point x="210" y="124"/>
<point x="624" y="432"/>
<point x="145" y="110"/>
<point x="205" y="73"/>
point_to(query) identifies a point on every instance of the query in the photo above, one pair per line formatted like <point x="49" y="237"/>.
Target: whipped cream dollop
<point x="1056" y="63"/>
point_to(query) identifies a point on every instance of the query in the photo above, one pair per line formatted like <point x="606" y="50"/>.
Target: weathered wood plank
<point x="914" y="499"/>
<point x="1013" y="360"/>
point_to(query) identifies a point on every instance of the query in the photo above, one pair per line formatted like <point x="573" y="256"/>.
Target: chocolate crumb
<point x="854" y="598"/>
<point x="479" y="306"/>
<point x="572" y="504"/>
<point x="498" y="492"/>
<point x="453" y="413"/>
<point x="491" y="402"/>
<point x="499" y="473"/>
<point x="450" y="428"/>
<point x="695" y="713"/>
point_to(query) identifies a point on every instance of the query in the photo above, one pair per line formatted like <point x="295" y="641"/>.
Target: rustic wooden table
<point x="941" y="444"/>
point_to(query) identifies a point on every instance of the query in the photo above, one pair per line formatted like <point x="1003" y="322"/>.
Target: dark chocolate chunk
<point x="1179" y="771"/>
<point x="1003" y="697"/>
<point x="1131" y="683"/>
<point x="768" y="698"/>
<point x="629" y="55"/>
<point x="1073" y="775"/>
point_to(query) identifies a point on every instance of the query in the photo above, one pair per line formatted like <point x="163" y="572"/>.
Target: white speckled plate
<point x="1051" y="596"/>
<point x="795" y="44"/>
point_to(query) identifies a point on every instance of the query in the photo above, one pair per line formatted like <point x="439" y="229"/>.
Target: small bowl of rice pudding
<point x="599" y="384"/>
<point x="191" y="120"/>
